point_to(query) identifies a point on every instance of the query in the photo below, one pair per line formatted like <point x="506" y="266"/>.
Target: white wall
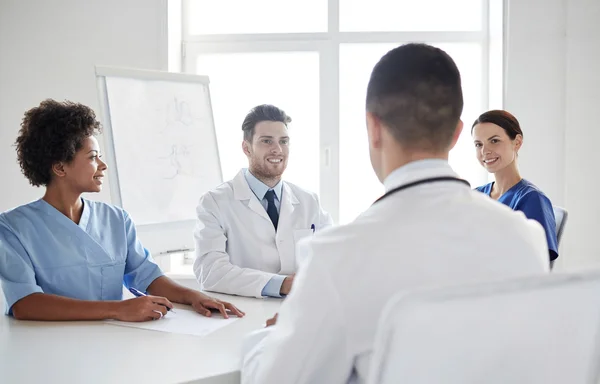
<point x="535" y="89"/>
<point x="582" y="138"/>
<point x="553" y="87"/>
<point x="49" y="49"/>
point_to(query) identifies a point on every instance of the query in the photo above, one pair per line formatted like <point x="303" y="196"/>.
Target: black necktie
<point x="271" y="208"/>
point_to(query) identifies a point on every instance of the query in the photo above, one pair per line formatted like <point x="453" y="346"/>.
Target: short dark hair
<point x="503" y="119"/>
<point x="264" y="112"/>
<point x="52" y="132"/>
<point x="415" y="90"/>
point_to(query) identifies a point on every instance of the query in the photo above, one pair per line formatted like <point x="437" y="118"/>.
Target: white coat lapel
<point x="285" y="230"/>
<point x="242" y="192"/>
<point x="288" y="201"/>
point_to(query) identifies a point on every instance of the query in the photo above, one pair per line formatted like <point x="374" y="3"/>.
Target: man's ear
<point x="59" y="169"/>
<point x="457" y="132"/>
<point x="373" y="130"/>
<point x="246" y="147"/>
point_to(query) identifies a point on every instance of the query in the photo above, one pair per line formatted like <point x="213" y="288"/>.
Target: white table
<point x="96" y="352"/>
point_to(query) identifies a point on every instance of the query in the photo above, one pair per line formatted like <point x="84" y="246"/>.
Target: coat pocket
<point x="300" y="234"/>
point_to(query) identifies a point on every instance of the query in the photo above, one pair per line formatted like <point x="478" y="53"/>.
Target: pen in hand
<point x="139" y="293"/>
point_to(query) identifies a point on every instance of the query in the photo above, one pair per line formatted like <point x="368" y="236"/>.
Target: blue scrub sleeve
<point x="140" y="268"/>
<point x="16" y="271"/>
<point x="539" y="208"/>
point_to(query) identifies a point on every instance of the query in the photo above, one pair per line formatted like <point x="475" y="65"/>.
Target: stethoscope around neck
<point x="421" y="182"/>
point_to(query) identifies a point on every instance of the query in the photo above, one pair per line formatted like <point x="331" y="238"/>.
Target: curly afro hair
<point x="50" y="133"/>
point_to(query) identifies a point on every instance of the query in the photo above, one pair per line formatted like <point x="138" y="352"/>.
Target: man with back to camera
<point x="429" y="229"/>
<point x="248" y="227"/>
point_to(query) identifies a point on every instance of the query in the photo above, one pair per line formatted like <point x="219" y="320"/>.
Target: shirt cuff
<point x="273" y="287"/>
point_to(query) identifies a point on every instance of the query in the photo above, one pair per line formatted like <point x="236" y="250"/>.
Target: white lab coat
<point x="237" y="248"/>
<point x="435" y="234"/>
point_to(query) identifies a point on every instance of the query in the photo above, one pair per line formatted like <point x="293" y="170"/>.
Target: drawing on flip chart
<point x="163" y="144"/>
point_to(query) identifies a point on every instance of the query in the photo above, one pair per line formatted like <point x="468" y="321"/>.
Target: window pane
<point x="410" y="15"/>
<point x="288" y="80"/>
<point x="359" y="186"/>
<point x="257" y="16"/>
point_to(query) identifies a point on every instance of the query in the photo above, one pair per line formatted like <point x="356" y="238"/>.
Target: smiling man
<point x="248" y="227"/>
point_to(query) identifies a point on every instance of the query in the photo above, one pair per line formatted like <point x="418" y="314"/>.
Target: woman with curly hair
<point x="64" y="257"/>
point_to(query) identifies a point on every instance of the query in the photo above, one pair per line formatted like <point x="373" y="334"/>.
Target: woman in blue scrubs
<point x="498" y="137"/>
<point x="64" y="257"/>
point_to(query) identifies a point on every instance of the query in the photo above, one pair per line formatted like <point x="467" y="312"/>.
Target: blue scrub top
<point x="527" y="198"/>
<point x="42" y="250"/>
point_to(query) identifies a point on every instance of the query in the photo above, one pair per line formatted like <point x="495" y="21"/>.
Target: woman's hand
<point x="203" y="305"/>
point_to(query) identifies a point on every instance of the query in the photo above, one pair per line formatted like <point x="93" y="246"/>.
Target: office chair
<point x="560" y="215"/>
<point x="538" y="330"/>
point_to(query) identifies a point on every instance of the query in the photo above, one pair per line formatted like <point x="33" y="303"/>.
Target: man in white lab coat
<point x="429" y="229"/>
<point x="248" y="227"/>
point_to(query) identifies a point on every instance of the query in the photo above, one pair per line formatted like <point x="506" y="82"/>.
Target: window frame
<point x="327" y="44"/>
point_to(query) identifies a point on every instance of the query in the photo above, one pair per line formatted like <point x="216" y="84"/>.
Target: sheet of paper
<point x="182" y="321"/>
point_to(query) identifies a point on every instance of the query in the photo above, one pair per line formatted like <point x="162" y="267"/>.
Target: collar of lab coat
<point x="242" y="191"/>
<point x="418" y="170"/>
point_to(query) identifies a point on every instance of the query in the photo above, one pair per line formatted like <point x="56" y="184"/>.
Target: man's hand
<point x="142" y="308"/>
<point x="272" y="320"/>
<point x="286" y="286"/>
<point x="203" y="304"/>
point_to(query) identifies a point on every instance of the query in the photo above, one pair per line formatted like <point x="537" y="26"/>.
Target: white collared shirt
<point x="260" y="189"/>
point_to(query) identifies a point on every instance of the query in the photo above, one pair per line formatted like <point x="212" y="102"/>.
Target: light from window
<point x="410" y="15"/>
<point x="359" y="186"/>
<point x="288" y="80"/>
<point x="208" y="17"/>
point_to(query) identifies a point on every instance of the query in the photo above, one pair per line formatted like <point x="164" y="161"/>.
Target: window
<point x="210" y="17"/>
<point x="240" y="81"/>
<point x="313" y="59"/>
<point x="410" y="15"/>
